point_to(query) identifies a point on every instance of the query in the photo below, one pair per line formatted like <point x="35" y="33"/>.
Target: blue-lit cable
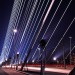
<point x="57" y="27"/>
<point x="30" y="30"/>
<point x="30" y="17"/>
<point x="49" y="25"/>
<point x="37" y="25"/>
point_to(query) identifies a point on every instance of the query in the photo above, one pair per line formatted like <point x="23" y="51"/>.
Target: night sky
<point x="5" y="12"/>
<point x="64" y="24"/>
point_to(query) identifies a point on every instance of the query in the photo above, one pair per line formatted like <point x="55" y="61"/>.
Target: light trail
<point x="47" y="69"/>
<point x="48" y="26"/>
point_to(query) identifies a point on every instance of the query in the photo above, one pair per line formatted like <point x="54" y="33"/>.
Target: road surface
<point x="2" y="72"/>
<point x="14" y="72"/>
<point x="9" y="72"/>
<point x="47" y="73"/>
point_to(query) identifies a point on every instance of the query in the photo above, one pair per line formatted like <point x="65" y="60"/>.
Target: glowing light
<point x="17" y="52"/>
<point x="27" y="61"/>
<point x="54" y="58"/>
<point x="67" y="71"/>
<point x="6" y="59"/>
<point x="32" y="61"/>
<point x="15" y="30"/>
<point x="70" y="37"/>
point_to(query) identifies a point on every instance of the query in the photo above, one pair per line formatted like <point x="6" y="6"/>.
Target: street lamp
<point x="42" y="45"/>
<point x="6" y="59"/>
<point x="70" y="49"/>
<point x="17" y="60"/>
<point x="33" y="61"/>
<point x="27" y="61"/>
<point x="15" y="31"/>
<point x="54" y="58"/>
<point x="17" y="53"/>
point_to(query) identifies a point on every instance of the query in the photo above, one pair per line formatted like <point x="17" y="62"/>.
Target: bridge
<point x="40" y="38"/>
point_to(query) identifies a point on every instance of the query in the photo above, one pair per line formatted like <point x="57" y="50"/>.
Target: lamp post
<point x="33" y="61"/>
<point x="17" y="60"/>
<point x="42" y="44"/>
<point x="54" y="58"/>
<point x="14" y="31"/>
<point x="64" y="60"/>
<point x="70" y="49"/>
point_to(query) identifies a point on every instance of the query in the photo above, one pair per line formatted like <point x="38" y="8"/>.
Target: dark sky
<point x="65" y="22"/>
<point x="5" y="12"/>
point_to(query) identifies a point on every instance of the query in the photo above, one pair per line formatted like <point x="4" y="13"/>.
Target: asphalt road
<point x="55" y="74"/>
<point x="2" y="72"/>
<point x="13" y="72"/>
<point x="10" y="72"/>
<point x="48" y="73"/>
